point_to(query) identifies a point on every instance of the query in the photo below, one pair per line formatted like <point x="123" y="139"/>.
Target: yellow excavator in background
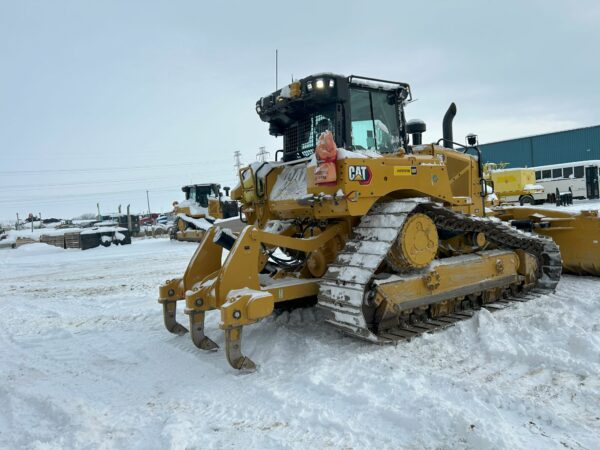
<point x="197" y="213"/>
<point x="391" y="238"/>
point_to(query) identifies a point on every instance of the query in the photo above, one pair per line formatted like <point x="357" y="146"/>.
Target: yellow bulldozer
<point x="390" y="237"/>
<point x="203" y="204"/>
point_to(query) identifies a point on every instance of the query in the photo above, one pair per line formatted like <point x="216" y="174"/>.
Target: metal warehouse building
<point x="579" y="144"/>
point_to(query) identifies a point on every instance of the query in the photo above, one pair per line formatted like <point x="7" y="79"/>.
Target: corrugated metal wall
<point x="553" y="148"/>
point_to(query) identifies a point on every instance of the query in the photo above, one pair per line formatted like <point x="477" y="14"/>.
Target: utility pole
<point x="17" y="224"/>
<point x="148" y="199"/>
<point x="129" y="227"/>
<point x="276" y="68"/>
<point x="98" y="206"/>
<point x="262" y="154"/>
<point x="238" y="161"/>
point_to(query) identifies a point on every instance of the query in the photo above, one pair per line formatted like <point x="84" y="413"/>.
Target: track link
<point x="349" y="282"/>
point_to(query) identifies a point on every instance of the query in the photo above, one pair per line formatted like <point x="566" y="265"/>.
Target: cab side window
<point x="374" y="121"/>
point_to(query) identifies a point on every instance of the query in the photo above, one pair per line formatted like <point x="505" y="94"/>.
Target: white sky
<point x="101" y="100"/>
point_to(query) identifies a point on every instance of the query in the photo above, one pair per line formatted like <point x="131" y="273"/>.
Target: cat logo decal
<point x="362" y="174"/>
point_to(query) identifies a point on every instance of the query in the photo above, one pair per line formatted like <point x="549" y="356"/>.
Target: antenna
<point x="238" y="161"/>
<point x="262" y="154"/>
<point x="276" y="68"/>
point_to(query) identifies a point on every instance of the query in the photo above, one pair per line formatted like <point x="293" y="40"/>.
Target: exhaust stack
<point x="447" y="125"/>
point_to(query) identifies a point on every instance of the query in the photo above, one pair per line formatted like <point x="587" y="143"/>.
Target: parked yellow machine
<point x="514" y="184"/>
<point x="391" y="238"/>
<point x="202" y="205"/>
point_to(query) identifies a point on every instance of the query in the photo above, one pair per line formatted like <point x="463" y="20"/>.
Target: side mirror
<point x="487" y="187"/>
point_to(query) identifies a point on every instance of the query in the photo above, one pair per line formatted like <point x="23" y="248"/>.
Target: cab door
<point x="591" y="182"/>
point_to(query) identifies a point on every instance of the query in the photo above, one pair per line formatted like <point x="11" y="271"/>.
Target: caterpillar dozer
<point x="197" y="213"/>
<point x="389" y="236"/>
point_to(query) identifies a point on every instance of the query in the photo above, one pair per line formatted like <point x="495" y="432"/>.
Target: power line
<point x="19" y="187"/>
<point x="61" y="198"/>
<point x="28" y="187"/>
<point x="99" y="169"/>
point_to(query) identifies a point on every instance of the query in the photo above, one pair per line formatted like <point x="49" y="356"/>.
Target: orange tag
<point x="325" y="173"/>
<point x="326" y="148"/>
<point x="326" y="153"/>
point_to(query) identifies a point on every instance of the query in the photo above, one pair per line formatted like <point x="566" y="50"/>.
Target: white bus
<point x="581" y="177"/>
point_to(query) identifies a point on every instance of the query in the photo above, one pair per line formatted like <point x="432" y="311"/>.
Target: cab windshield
<point x="200" y="195"/>
<point x="374" y="121"/>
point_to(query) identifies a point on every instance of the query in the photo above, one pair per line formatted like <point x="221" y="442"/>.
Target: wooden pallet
<point x="73" y="240"/>
<point x="57" y="241"/>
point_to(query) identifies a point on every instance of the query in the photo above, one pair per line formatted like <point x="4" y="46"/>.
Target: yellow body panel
<point x="451" y="280"/>
<point x="443" y="175"/>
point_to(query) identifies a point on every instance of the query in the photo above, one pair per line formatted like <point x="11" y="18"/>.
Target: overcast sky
<point x="103" y="100"/>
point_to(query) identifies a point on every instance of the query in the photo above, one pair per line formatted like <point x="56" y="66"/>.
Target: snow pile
<point x="106" y="223"/>
<point x="13" y="235"/>
<point x="290" y="184"/>
<point x="86" y="362"/>
<point x="200" y="224"/>
<point x="345" y="154"/>
<point x="226" y="221"/>
<point x="277" y="226"/>
<point x="195" y="208"/>
<point x="96" y="230"/>
<point x="578" y="205"/>
<point x="286" y="92"/>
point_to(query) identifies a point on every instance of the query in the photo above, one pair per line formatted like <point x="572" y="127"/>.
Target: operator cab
<point x="362" y="114"/>
<point x="200" y="193"/>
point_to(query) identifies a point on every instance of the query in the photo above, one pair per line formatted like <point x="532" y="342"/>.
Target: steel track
<point x="347" y="286"/>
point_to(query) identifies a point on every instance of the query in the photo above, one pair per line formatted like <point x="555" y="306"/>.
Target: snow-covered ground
<point x="86" y="363"/>
<point x="578" y="205"/>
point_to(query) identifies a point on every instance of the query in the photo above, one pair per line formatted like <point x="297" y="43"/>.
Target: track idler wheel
<point x="416" y="246"/>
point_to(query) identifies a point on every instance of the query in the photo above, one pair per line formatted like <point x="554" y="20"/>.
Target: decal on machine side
<point x="362" y="174"/>
<point x="400" y="171"/>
